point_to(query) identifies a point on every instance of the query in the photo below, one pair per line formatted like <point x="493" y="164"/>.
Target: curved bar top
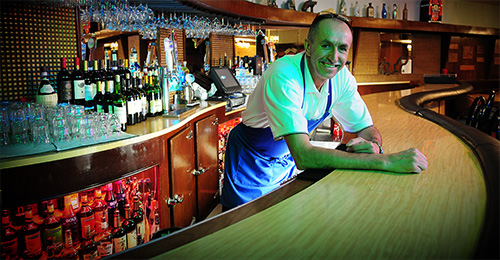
<point x="365" y="214"/>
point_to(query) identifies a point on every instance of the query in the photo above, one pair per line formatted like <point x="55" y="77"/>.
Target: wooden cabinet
<point x="194" y="179"/>
<point x="182" y="181"/>
<point x="207" y="177"/>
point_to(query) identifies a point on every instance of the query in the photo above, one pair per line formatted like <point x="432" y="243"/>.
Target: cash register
<point x="228" y="88"/>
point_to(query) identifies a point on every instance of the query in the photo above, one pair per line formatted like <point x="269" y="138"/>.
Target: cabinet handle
<point x="174" y="201"/>
<point x="200" y="171"/>
<point x="189" y="135"/>
<point x="216" y="121"/>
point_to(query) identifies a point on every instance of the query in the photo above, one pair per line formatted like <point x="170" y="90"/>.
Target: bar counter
<point x="361" y="214"/>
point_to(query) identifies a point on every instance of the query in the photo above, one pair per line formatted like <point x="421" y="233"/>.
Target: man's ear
<point x="307" y="47"/>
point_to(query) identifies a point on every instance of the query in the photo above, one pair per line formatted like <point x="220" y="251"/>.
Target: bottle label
<point x="131" y="107"/>
<point x="65" y="89"/>
<point x="100" y="109"/>
<point x="87" y="224"/>
<point x="98" y="215"/>
<point x="159" y="106"/>
<point x="120" y="244"/>
<point x="141" y="232"/>
<point x="56" y="235"/>
<point x="90" y="256"/>
<point x="111" y="86"/>
<point x="79" y="88"/>
<point x="46" y="89"/>
<point x="33" y="244"/>
<point x="152" y="106"/>
<point x="122" y="114"/>
<point x="144" y="106"/>
<point x="10" y="247"/>
<point x="89" y="92"/>
<point x="105" y="248"/>
<point x="131" y="239"/>
<point x="94" y="90"/>
<point x="371" y="12"/>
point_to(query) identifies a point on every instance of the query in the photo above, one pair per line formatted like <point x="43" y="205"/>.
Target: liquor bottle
<point x="8" y="237"/>
<point x="120" y="104"/>
<point x="78" y="84"/>
<point x="119" y="234"/>
<point x="89" y="89"/>
<point x="144" y="97"/>
<point x="64" y="84"/>
<point x="112" y="204"/>
<point x="86" y="217"/>
<point x="110" y="87"/>
<point x="89" y="248"/>
<point x="104" y="239"/>
<point x="394" y="11"/>
<point x="158" y="95"/>
<point x="68" y="251"/>
<point x="46" y="94"/>
<point x="130" y="228"/>
<point x="357" y="10"/>
<point x="32" y="235"/>
<point x="70" y="220"/>
<point x="138" y="217"/>
<point x="342" y="8"/>
<point x="431" y="10"/>
<point x="130" y="98"/>
<point x="138" y="100"/>
<point x="150" y="95"/>
<point x="384" y="11"/>
<point x="405" y="13"/>
<point x="99" y="207"/>
<point x="370" y="11"/>
<point x="133" y="60"/>
<point x="100" y="84"/>
<point x="121" y="197"/>
<point x="53" y="229"/>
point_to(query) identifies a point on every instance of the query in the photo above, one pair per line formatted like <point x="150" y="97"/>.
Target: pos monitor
<point x="225" y="81"/>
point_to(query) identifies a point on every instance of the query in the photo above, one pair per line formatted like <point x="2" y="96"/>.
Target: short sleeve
<point x="350" y="109"/>
<point x="283" y="97"/>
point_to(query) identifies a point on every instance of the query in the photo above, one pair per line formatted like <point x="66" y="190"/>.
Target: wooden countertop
<point x="369" y="214"/>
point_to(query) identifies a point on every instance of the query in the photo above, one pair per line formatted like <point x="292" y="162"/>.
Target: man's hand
<point x="361" y="145"/>
<point x="409" y="161"/>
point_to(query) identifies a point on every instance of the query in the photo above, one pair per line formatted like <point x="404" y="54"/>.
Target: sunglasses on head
<point x="329" y="14"/>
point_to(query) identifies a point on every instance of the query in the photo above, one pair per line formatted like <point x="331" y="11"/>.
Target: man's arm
<point x="307" y="156"/>
<point x="369" y="140"/>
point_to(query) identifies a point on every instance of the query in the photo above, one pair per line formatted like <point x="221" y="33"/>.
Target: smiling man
<point x="292" y="98"/>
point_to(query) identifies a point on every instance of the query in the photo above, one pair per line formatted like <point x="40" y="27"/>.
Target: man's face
<point x="328" y="49"/>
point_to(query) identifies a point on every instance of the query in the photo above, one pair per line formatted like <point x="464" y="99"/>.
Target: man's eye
<point x="326" y="47"/>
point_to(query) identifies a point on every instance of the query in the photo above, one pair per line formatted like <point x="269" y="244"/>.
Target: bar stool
<point x="485" y="114"/>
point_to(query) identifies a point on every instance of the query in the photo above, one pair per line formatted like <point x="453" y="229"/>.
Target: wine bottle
<point x="100" y="84"/>
<point x="138" y="99"/>
<point x="53" y="229"/>
<point x="110" y="84"/>
<point x="118" y="233"/>
<point x="112" y="204"/>
<point x="104" y="239"/>
<point x="130" y="97"/>
<point x="64" y="84"/>
<point x="99" y="207"/>
<point x="89" y="89"/>
<point x="70" y="220"/>
<point x="150" y="92"/>
<point x="157" y="94"/>
<point x="405" y="13"/>
<point x="144" y="97"/>
<point x="69" y="251"/>
<point x="78" y="84"/>
<point x="89" y="248"/>
<point x="46" y="94"/>
<point x="138" y="217"/>
<point x="120" y="104"/>
<point x="120" y="197"/>
<point x="32" y="235"/>
<point x="130" y="228"/>
<point x="8" y="237"/>
<point x="86" y="217"/>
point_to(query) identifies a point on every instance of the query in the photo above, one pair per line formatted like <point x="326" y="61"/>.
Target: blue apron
<point x="255" y="163"/>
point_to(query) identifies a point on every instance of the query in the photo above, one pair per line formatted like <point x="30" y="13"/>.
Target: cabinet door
<point x="182" y="180"/>
<point x="207" y="141"/>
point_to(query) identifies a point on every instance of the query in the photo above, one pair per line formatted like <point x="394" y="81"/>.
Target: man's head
<point x="327" y="46"/>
